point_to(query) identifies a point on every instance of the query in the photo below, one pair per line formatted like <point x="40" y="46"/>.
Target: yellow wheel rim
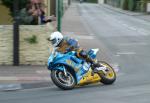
<point x="110" y="73"/>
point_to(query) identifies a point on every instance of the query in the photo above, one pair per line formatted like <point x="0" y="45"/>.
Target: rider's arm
<point x="72" y="44"/>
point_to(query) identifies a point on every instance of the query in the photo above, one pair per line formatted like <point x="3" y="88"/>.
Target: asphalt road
<point x="126" y="40"/>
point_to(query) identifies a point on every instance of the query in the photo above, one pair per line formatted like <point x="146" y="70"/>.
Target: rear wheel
<point x="62" y="81"/>
<point x="108" y="75"/>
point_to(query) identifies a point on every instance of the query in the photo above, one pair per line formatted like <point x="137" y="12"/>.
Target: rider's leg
<point x="83" y="54"/>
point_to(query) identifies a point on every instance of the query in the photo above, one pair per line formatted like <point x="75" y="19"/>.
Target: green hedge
<point x="92" y="1"/>
<point x="132" y="5"/>
<point x="124" y="4"/>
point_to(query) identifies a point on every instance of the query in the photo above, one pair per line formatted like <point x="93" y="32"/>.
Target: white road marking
<point x="23" y="78"/>
<point x="42" y="72"/>
<point x="139" y="30"/>
<point x="132" y="28"/>
<point x="130" y="44"/>
<point x="73" y="35"/>
<point x="126" y="25"/>
<point x="120" y="74"/>
<point x="8" y="78"/>
<point x="143" y="31"/>
<point x="81" y="36"/>
<point x="126" y="53"/>
<point x="33" y="78"/>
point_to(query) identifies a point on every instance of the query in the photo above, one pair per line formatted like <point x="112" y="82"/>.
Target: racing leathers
<point x="70" y="44"/>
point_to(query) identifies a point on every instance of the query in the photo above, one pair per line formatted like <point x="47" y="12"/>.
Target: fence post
<point x="16" y="33"/>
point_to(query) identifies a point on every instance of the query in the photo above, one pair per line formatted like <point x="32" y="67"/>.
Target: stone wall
<point x="31" y="53"/>
<point x="6" y="44"/>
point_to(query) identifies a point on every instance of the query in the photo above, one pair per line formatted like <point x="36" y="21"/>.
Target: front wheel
<point x="64" y="82"/>
<point x="108" y="75"/>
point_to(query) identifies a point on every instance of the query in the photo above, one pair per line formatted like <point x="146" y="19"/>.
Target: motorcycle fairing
<point x="70" y="60"/>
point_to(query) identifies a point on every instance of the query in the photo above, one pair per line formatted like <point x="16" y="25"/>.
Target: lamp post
<point x="59" y="5"/>
<point x="16" y="33"/>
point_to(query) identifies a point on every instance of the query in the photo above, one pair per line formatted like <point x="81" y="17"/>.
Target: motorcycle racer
<point x="66" y="44"/>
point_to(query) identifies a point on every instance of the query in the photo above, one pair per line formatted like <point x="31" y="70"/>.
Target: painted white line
<point x="126" y="25"/>
<point x="143" y="31"/>
<point x="78" y="36"/>
<point x="23" y="78"/>
<point x="117" y="55"/>
<point x="132" y="28"/>
<point x="42" y="72"/>
<point x="81" y="36"/>
<point x="8" y="78"/>
<point x="120" y="74"/>
<point x="42" y="88"/>
<point x="139" y="30"/>
<point x="126" y="53"/>
<point x="130" y="44"/>
<point x="85" y="37"/>
<point x="33" y="78"/>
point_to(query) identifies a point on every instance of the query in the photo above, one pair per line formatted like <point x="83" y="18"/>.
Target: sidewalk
<point x="138" y="15"/>
<point x="72" y="22"/>
<point x="24" y="77"/>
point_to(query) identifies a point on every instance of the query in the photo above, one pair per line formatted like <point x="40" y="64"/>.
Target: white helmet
<point x="56" y="38"/>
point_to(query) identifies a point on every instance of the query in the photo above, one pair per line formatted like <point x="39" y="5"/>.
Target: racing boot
<point x="96" y="66"/>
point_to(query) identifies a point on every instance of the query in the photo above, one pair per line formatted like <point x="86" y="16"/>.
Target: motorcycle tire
<point x="110" y="76"/>
<point x="61" y="81"/>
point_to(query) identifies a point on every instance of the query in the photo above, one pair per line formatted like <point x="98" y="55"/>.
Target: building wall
<point x="30" y="54"/>
<point x="47" y="7"/>
<point x="51" y="6"/>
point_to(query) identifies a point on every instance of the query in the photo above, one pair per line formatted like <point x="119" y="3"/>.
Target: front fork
<point x="65" y="71"/>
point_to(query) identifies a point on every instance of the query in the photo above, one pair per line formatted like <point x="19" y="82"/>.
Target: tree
<point x="9" y="4"/>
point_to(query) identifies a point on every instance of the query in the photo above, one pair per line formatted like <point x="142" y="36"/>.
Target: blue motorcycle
<point x="68" y="71"/>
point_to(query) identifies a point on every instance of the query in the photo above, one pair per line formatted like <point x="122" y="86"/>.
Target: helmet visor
<point x="53" y="41"/>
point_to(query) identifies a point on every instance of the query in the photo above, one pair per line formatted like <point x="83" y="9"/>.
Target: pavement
<point x="24" y="77"/>
<point x="28" y="77"/>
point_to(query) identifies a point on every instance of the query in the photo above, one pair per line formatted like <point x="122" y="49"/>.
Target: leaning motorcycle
<point x="69" y="71"/>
